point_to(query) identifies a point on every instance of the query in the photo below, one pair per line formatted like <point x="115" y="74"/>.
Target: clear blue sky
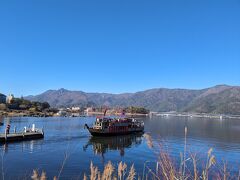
<point x="118" y="45"/>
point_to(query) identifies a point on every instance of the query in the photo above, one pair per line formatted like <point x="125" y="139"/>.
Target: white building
<point x="88" y="110"/>
<point x="9" y="99"/>
<point x="75" y="108"/>
<point x="62" y="113"/>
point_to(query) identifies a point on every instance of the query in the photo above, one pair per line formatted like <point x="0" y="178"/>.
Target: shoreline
<point x="196" y="115"/>
<point x="20" y="113"/>
<point x="16" y="113"/>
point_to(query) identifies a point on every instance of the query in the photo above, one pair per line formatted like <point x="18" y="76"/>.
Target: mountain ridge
<point x="217" y="99"/>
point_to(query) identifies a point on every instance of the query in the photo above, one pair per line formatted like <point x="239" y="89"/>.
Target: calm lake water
<point x="68" y="136"/>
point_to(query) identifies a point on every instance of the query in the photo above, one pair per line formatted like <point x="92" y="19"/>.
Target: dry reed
<point x="36" y="175"/>
<point x="121" y="170"/>
<point x="132" y="173"/>
<point x="94" y="172"/>
<point x="149" y="140"/>
<point x="108" y="171"/>
<point x="166" y="168"/>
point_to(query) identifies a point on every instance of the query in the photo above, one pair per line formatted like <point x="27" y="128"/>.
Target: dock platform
<point x="26" y="134"/>
<point x="20" y="136"/>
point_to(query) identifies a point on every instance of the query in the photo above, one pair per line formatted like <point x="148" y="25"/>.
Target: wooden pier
<point x="21" y="136"/>
<point x="26" y="134"/>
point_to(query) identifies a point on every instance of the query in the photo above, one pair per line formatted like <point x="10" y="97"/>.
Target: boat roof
<point x="112" y="118"/>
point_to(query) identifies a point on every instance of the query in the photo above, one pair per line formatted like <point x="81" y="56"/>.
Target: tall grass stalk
<point x="132" y="173"/>
<point x="185" y="150"/>
<point x="121" y="170"/>
<point x="63" y="164"/>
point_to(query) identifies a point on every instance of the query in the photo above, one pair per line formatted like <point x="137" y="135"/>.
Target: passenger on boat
<point x="8" y="129"/>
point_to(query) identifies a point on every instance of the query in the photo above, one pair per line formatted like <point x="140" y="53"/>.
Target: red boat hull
<point x="95" y="132"/>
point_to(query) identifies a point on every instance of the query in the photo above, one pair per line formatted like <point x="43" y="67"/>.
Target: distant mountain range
<point x="218" y="99"/>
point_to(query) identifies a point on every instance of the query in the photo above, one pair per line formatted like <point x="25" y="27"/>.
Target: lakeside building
<point x="3" y="98"/>
<point x="9" y="99"/>
<point x="88" y="110"/>
<point x="76" y="108"/>
<point x="64" y="112"/>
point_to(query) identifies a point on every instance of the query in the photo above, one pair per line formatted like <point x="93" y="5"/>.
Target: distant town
<point x="13" y="106"/>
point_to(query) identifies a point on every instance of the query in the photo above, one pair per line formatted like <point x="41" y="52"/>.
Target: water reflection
<point x="1" y="121"/>
<point x="102" y="145"/>
<point x="23" y="146"/>
<point x="204" y="129"/>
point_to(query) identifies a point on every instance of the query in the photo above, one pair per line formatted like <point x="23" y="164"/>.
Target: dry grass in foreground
<point x="165" y="168"/>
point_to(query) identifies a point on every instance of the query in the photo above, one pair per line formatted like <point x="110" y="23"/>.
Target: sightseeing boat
<point x="107" y="126"/>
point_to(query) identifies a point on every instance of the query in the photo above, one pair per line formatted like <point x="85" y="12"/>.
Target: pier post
<point x="5" y="134"/>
